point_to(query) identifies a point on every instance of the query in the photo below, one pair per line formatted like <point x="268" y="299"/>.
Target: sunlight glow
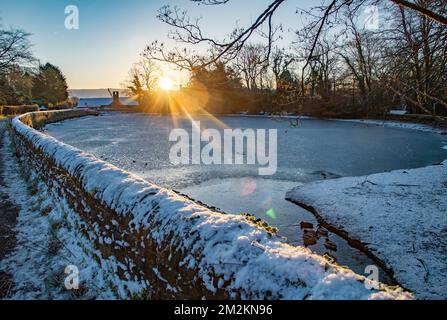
<point x="165" y="84"/>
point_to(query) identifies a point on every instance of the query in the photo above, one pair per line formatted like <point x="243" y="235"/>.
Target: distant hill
<point x="94" y="93"/>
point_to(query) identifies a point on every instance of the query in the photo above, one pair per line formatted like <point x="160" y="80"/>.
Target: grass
<point x="261" y="224"/>
<point x="6" y="285"/>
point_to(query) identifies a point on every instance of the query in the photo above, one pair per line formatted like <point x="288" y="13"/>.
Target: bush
<point x="60" y="106"/>
<point x="17" y="110"/>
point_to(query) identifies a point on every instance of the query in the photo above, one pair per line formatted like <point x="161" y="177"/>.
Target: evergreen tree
<point x="50" y="85"/>
<point x="217" y="77"/>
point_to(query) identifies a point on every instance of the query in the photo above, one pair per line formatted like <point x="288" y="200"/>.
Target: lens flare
<point x="271" y="214"/>
<point x="248" y="186"/>
<point x="267" y="203"/>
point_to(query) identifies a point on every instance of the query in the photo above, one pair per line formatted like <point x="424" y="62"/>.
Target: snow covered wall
<point x="38" y="120"/>
<point x="155" y="244"/>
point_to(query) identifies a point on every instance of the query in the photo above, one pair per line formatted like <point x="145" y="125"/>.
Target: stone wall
<point x="160" y="245"/>
<point x="38" y="120"/>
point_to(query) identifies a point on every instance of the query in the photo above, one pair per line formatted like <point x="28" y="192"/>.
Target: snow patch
<point x="394" y="124"/>
<point x="43" y="251"/>
<point x="400" y="216"/>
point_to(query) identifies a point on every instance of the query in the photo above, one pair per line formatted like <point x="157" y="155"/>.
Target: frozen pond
<point x="315" y="150"/>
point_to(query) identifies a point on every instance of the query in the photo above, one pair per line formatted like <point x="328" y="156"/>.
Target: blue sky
<point x="113" y="33"/>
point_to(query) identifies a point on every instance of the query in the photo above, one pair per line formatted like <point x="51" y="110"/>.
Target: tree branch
<point x="424" y="11"/>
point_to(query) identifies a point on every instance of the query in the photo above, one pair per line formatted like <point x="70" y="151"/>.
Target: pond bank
<point x="400" y="217"/>
<point x="408" y="122"/>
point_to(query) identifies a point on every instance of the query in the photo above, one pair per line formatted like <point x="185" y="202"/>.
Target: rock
<point x="306" y="225"/>
<point x="310" y="231"/>
<point x="330" y="245"/>
<point x="322" y="232"/>
<point x="329" y="257"/>
<point x="309" y="239"/>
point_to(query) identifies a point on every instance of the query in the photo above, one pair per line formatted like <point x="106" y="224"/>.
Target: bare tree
<point x="143" y="79"/>
<point x="418" y="59"/>
<point x="361" y="54"/>
<point x="15" y="48"/>
<point x="15" y="66"/>
<point x="251" y="65"/>
<point x="422" y="10"/>
<point x="280" y="63"/>
<point x="188" y="31"/>
<point x="419" y="39"/>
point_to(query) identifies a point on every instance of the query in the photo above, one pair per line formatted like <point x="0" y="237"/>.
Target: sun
<point x="165" y="84"/>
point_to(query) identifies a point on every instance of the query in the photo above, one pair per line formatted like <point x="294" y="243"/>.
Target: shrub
<point x="17" y="110"/>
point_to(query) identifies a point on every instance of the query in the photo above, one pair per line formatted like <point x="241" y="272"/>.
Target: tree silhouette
<point x="50" y="85"/>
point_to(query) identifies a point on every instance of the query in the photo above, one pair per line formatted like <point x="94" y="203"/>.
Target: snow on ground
<point x="400" y="216"/>
<point x="371" y="122"/>
<point x="47" y="244"/>
<point x="394" y="124"/>
<point x="229" y="246"/>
